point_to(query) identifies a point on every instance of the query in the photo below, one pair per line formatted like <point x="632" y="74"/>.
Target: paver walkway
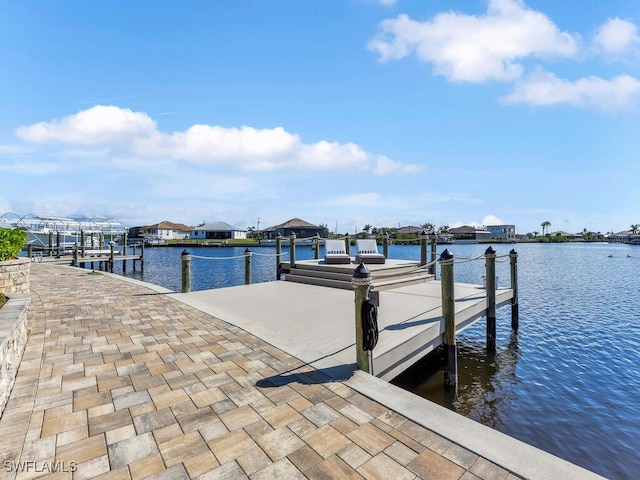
<point x="119" y="381"/>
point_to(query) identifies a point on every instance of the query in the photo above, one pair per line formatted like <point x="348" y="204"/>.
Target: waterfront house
<point x="300" y="228"/>
<point x="218" y="231"/>
<point x="467" y="234"/>
<point x="504" y="232"/>
<point x="164" y="230"/>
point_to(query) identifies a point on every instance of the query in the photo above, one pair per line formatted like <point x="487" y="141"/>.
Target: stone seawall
<point x="13" y="339"/>
<point x="14" y="276"/>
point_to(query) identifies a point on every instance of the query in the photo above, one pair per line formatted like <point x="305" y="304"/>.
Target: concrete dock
<point x="122" y="379"/>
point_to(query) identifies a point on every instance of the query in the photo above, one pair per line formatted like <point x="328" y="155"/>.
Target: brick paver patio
<point x="121" y="382"/>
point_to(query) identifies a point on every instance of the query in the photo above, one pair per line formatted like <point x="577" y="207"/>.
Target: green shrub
<point x="11" y="242"/>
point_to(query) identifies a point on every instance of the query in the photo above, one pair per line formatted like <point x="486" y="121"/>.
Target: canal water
<point x="568" y="382"/>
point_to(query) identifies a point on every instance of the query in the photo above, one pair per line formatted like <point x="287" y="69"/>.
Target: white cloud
<point x="387" y="3"/>
<point x="617" y="37"/>
<point x="94" y="126"/>
<point x="476" y="48"/>
<point x="544" y="88"/>
<point x="121" y="133"/>
<point x="492" y="220"/>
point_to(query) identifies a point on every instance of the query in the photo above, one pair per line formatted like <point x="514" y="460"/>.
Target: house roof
<point x="293" y="223"/>
<point x="218" y="227"/>
<point x="167" y="225"/>
<point x="410" y="229"/>
<point x="465" y="229"/>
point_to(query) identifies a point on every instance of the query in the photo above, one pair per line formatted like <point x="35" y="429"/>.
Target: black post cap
<point x="446" y="255"/>
<point x="361" y="271"/>
<point x="490" y="251"/>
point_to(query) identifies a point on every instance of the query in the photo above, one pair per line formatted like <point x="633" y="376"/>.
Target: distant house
<point x="218" y="231"/>
<point x="162" y="231"/>
<point x="505" y="232"/>
<point x="469" y="234"/>
<point x="300" y="228"/>
<point x="410" y="230"/>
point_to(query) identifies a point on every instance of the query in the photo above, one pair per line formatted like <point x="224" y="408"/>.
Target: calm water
<point x="568" y="382"/>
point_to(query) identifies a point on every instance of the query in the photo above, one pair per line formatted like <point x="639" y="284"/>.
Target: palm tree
<point x="545" y="226"/>
<point x="634" y="228"/>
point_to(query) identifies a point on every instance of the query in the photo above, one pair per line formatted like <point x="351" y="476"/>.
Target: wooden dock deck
<point x="317" y="323"/>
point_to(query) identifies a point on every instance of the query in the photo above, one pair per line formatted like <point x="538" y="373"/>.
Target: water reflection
<point x="486" y="380"/>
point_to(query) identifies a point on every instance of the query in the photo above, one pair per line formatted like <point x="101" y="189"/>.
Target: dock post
<point x="124" y="251"/>
<point x="247" y="266"/>
<point x="347" y="244"/>
<point x="361" y="282"/>
<point x="423" y="247"/>
<point x="449" y="314"/>
<point x="74" y="263"/>
<point x="111" y="259"/>
<point x="141" y="257"/>
<point x="50" y="244"/>
<point x="385" y="245"/>
<point x="292" y="251"/>
<point x="515" y="314"/>
<point x="186" y="271"/>
<point x="278" y="256"/>
<point x="134" y="254"/>
<point x="317" y="247"/>
<point x="57" y="244"/>
<point x="490" y="258"/>
<point x="30" y="251"/>
<point x="82" y="243"/>
<point x="434" y="245"/>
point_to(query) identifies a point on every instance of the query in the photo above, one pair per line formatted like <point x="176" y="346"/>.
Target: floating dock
<point x="317" y="323"/>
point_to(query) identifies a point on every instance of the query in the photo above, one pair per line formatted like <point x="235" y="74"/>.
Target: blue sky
<point x="345" y="113"/>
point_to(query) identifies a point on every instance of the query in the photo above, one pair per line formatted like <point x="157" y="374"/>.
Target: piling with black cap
<point x="247" y="267"/>
<point x="490" y="264"/>
<point x="186" y="271"/>
<point x="292" y="251"/>
<point x="316" y="246"/>
<point x="361" y="283"/>
<point x="385" y="244"/>
<point x="424" y="236"/>
<point x="278" y="256"/>
<point x="515" y="314"/>
<point x="449" y="314"/>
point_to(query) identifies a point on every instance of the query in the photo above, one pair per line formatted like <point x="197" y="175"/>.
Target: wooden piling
<point x="423" y="248"/>
<point x="292" y="250"/>
<point x="385" y="245"/>
<point x="490" y="263"/>
<point x="111" y="259"/>
<point x="124" y="252"/>
<point x="449" y="314"/>
<point x="50" y="244"/>
<point x="186" y="271"/>
<point x="247" y="267"/>
<point x="57" y="244"/>
<point x="317" y="247"/>
<point x="347" y="244"/>
<point x="361" y="282"/>
<point x="82" y="243"/>
<point x="30" y="252"/>
<point x="434" y="245"/>
<point x="278" y="257"/>
<point x="515" y="314"/>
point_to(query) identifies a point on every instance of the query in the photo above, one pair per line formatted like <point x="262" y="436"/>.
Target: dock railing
<point x="362" y="288"/>
<point x="186" y="258"/>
